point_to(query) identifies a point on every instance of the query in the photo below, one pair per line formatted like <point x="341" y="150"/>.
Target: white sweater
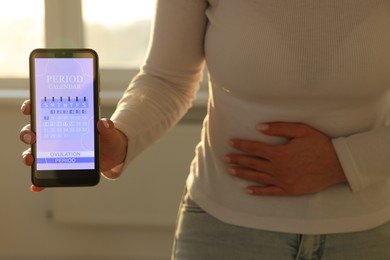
<point x="322" y="63"/>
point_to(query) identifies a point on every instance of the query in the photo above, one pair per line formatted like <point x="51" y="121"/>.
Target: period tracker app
<point x="64" y="113"/>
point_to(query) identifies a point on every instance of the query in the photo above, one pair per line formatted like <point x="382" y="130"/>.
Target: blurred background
<point x="131" y="218"/>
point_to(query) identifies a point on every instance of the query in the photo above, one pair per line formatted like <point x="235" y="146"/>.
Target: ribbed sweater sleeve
<point x="365" y="157"/>
<point x="164" y="89"/>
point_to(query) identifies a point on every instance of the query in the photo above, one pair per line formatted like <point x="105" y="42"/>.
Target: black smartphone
<point x="64" y="95"/>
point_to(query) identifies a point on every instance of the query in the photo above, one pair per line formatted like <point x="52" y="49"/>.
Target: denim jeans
<point x="200" y="236"/>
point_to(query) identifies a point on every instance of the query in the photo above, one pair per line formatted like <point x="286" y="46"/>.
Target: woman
<point x="293" y="158"/>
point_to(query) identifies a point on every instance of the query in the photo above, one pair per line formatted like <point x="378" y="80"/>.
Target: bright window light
<point x="118" y="30"/>
<point x="21" y="30"/>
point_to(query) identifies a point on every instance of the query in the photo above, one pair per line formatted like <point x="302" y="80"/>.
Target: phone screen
<point x="65" y="91"/>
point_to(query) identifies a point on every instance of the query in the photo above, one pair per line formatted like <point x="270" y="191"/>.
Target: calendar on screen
<point x="64" y="114"/>
<point x="64" y="118"/>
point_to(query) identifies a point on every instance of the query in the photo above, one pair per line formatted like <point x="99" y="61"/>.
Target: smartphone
<point x="64" y="96"/>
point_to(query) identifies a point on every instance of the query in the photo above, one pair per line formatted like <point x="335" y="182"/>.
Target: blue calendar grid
<point x="64" y="118"/>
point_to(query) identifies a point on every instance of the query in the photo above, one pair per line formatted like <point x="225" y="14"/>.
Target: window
<point x="21" y="30"/>
<point x="117" y="29"/>
<point x="107" y="26"/>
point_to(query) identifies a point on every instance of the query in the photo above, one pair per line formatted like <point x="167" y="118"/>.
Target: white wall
<point x="104" y="222"/>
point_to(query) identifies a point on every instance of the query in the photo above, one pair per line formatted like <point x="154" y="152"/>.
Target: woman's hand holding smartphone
<point x="64" y="129"/>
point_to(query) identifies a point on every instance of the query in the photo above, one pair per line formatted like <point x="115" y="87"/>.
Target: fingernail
<point x="24" y="156"/>
<point x="27" y="138"/>
<point x="249" y="191"/>
<point x="23" y="107"/>
<point x="262" y="127"/>
<point x="227" y="159"/>
<point x="232" y="171"/>
<point x="105" y="123"/>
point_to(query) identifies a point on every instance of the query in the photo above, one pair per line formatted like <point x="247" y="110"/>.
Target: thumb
<point x="105" y="127"/>
<point x="289" y="130"/>
<point x="109" y="136"/>
<point x="113" y="146"/>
